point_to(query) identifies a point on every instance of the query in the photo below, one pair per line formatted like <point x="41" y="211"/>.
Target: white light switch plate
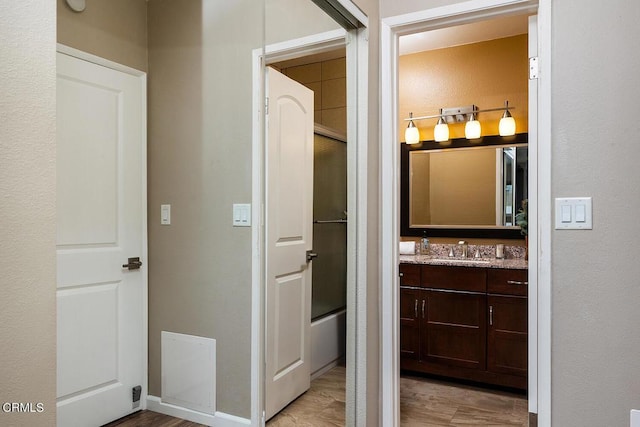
<point x="242" y="215"/>
<point x="574" y="213"/>
<point x="165" y="214"/>
<point x="635" y="418"/>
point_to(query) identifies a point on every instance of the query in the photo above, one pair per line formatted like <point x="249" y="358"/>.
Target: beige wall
<point x="485" y="74"/>
<point x="112" y="29"/>
<point x="200" y="106"/>
<point x="328" y="81"/>
<point x="595" y="274"/>
<point x="292" y="19"/>
<point x="28" y="209"/>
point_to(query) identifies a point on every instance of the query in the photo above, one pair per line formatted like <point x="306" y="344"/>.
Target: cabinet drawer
<point x="410" y="275"/>
<point x="507" y="282"/>
<point x="471" y="279"/>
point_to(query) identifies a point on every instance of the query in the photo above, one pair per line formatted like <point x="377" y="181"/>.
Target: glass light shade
<point x="411" y="134"/>
<point x="472" y="130"/>
<point x="507" y="125"/>
<point x="441" y="131"/>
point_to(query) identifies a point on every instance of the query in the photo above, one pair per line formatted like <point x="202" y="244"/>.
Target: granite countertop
<point x="513" y="263"/>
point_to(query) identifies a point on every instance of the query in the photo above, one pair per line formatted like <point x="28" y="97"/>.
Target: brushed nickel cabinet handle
<point x="515" y="282"/>
<point x="424" y="301"/>
<point x="415" y="309"/>
<point x="490" y="315"/>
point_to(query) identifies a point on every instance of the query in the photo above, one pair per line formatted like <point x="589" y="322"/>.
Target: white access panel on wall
<point x="189" y="371"/>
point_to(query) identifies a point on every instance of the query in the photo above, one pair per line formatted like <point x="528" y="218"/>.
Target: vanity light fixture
<point x="468" y="114"/>
<point x="411" y="134"/>
<point x="472" y="130"/>
<point x="507" y="123"/>
<point x="441" y="130"/>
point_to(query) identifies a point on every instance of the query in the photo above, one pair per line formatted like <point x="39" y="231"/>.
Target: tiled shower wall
<point x="328" y="80"/>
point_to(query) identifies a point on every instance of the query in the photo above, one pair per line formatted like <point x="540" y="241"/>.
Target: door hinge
<point x="533" y="68"/>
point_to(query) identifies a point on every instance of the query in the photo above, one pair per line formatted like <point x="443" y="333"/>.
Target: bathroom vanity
<point x="464" y="319"/>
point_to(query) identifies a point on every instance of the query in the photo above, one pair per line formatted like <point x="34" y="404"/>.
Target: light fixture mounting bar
<point x="451" y="114"/>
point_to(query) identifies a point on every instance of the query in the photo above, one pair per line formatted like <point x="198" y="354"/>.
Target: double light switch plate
<point x="574" y="213"/>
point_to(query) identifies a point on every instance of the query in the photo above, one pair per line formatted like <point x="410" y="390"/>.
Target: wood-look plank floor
<point x="423" y="402"/>
<point x="151" y="419"/>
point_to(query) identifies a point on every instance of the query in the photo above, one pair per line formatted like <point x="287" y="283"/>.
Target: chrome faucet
<point x="465" y="248"/>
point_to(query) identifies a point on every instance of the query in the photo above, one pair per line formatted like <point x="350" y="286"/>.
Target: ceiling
<point x="464" y="34"/>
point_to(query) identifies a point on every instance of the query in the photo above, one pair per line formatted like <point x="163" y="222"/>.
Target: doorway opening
<point x="352" y="39"/>
<point x="444" y="17"/>
<point x="443" y="352"/>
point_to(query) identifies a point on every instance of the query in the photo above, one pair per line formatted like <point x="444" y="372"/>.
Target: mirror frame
<point x="459" y="231"/>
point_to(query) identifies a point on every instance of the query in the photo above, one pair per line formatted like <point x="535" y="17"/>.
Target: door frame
<point x="539" y="196"/>
<point x="144" y="255"/>
<point x="357" y="47"/>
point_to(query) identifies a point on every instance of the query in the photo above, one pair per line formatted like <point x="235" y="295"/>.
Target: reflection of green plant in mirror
<point x="522" y="217"/>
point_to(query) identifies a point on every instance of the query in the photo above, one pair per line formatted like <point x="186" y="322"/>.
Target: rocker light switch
<point x="574" y="213"/>
<point x="566" y="213"/>
<point x="165" y="214"/>
<point x="242" y="215"/>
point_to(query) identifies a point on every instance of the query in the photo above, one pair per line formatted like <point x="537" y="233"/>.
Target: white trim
<point x="219" y="419"/>
<point x="355" y="11"/>
<point x="257" y="242"/>
<point x="389" y="231"/>
<point x="144" y="253"/>
<point x="357" y="387"/>
<point x="66" y="50"/>
<point x="324" y="369"/>
<point x="544" y="209"/>
<point x="304" y="46"/>
<point x="458" y="13"/>
<point x="391" y="29"/>
<point x="533" y="225"/>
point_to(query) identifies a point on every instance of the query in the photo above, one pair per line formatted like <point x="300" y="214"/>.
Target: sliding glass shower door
<point x="329" y="293"/>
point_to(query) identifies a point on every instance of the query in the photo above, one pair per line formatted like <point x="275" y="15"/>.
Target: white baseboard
<point x="219" y="419"/>
<point x="327" y="368"/>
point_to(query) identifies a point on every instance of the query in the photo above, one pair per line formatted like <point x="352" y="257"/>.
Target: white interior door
<point x="289" y="230"/>
<point x="101" y="201"/>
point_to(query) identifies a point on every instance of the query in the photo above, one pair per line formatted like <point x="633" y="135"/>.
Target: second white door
<point x="101" y="205"/>
<point x="289" y="231"/>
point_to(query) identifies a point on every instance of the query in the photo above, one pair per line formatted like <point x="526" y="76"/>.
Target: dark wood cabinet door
<point x="507" y="335"/>
<point x="410" y="300"/>
<point x="454" y="329"/>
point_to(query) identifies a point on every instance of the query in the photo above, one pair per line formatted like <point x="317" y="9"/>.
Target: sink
<point x="458" y="260"/>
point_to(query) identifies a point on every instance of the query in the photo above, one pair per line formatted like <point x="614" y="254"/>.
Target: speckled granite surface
<point x="439" y="255"/>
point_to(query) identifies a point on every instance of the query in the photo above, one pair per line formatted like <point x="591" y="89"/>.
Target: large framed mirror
<point x="464" y="188"/>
